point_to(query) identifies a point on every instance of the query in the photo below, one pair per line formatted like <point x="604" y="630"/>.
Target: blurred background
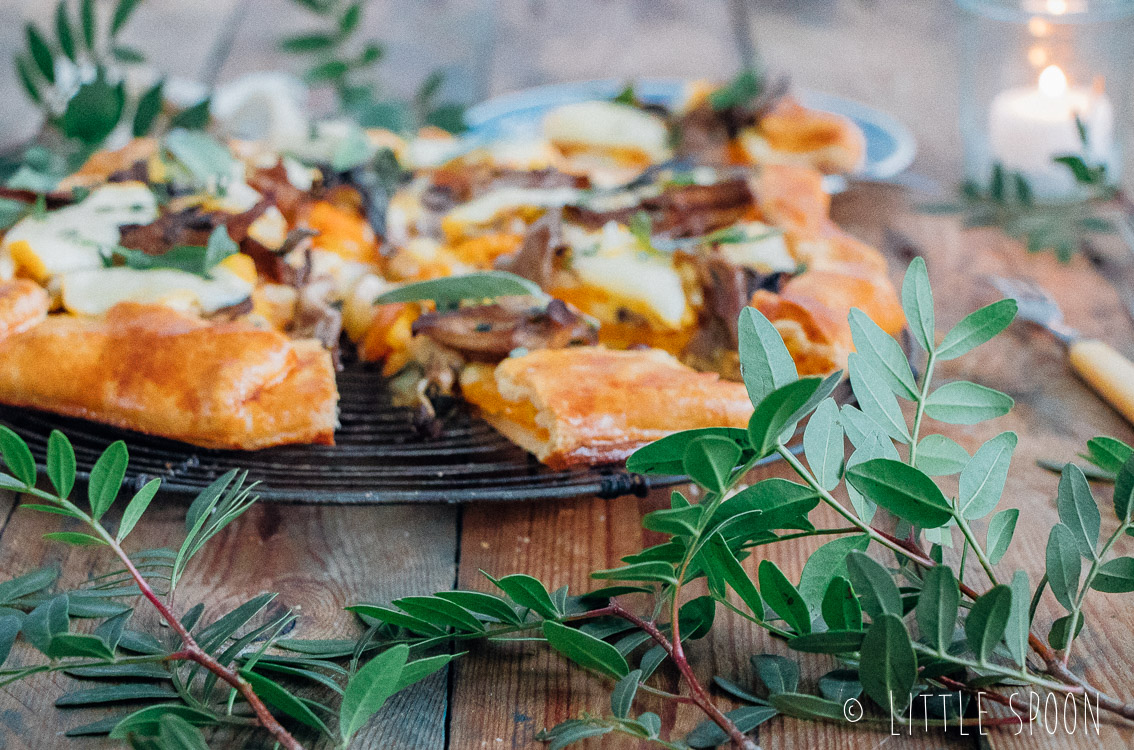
<point x="896" y="56"/>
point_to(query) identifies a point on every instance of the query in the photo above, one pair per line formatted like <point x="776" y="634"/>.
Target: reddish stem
<point x="700" y="696"/>
<point x="190" y="651"/>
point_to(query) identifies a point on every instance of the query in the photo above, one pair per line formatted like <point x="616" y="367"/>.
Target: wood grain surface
<point x="899" y="56"/>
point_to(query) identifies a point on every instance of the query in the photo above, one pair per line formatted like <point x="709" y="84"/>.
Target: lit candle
<point x="1028" y="127"/>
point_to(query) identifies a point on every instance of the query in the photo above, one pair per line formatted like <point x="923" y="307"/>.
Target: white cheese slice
<point x="69" y="239"/>
<point x="643" y="283"/>
<point x="486" y="208"/>
<point x="609" y="125"/>
<point x="94" y="291"/>
<point x="766" y="252"/>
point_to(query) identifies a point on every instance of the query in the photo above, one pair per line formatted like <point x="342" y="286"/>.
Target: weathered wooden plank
<point x="318" y="559"/>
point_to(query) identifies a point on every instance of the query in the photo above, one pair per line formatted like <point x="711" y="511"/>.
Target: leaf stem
<point x="1092" y="572"/>
<point x="967" y="530"/>
<point x="919" y="412"/>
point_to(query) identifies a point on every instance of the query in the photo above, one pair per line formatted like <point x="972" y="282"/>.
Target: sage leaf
<point x="527" y="592"/>
<point x="570" y="732"/>
<point x="875" y="399"/>
<point x="778" y="673"/>
<point x="841" y="610"/>
<point x="63" y="32"/>
<point x="485" y="604"/>
<point x="65" y="645"/>
<point x="17" y="456"/>
<point x="369" y="689"/>
<point x="136" y="507"/>
<point x="738" y="692"/>
<point x="803" y="706"/>
<point x="874" y="584"/>
<point x="963" y="402"/>
<point x="175" y="733"/>
<point x="148" y="109"/>
<point x="826" y="563"/>
<point x="859" y="428"/>
<point x="765" y="363"/>
<point x="622" y="697"/>
<point x="46" y="622"/>
<point x="840" y="686"/>
<point x="937" y="607"/>
<point x="120" y="672"/>
<point x="1059" y="635"/>
<point x="1019" y="619"/>
<point x="888" y="677"/>
<point x="976" y="328"/>
<point x="987" y="621"/>
<point x="74" y="538"/>
<point x="709" y="461"/>
<point x="1000" y="530"/>
<point x="9" y="629"/>
<point x="147" y="721"/>
<point x="40" y="53"/>
<point x="677" y="521"/>
<point x="276" y="696"/>
<point x="917" y="302"/>
<point x="666" y="457"/>
<point x="823" y="444"/>
<point x="747" y="718"/>
<point x="723" y="569"/>
<point x="207" y="160"/>
<point x="939" y="456"/>
<point x="783" y="597"/>
<point x="382" y="614"/>
<point x="1063" y="565"/>
<point x="884" y="354"/>
<point x="651" y="660"/>
<point x="60" y="461"/>
<point x="643" y="571"/>
<point x="122" y="12"/>
<point x="877" y="447"/>
<point x="696" y="617"/>
<point x="94" y="111"/>
<point x="452" y="290"/>
<point x="903" y="490"/>
<point x="982" y="481"/>
<point x="1115" y="576"/>
<point x="211" y="637"/>
<point x="106" y="478"/>
<point x="586" y="650"/>
<point x="1124" y="491"/>
<point x="1108" y="453"/>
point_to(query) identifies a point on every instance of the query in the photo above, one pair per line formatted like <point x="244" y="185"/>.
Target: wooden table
<point x="322" y="557"/>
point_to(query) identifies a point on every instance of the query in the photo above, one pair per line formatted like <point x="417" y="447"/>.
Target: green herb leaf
<point x="28" y="583"/>
<point x="745" y="87"/>
<point x="1059" y="634"/>
<point x="106" y="478"/>
<point x="485" y="604"/>
<point x="206" y="159"/>
<point x="94" y="111"/>
<point x="987" y="621"/>
<point x="666" y="457"/>
<point x="9" y="629"/>
<point x="1124" y="491"/>
<point x="75" y="538"/>
<point x="1107" y="453"/>
<point x="63" y="32"/>
<point x="888" y="677"/>
<point x="441" y="612"/>
<point x="272" y="693"/>
<point x="452" y="290"/>
<point x="937" y="607"/>
<point x="643" y="571"/>
<point x="724" y="570"/>
<point x="903" y="490"/>
<point x="527" y="592"/>
<point x="976" y="328"/>
<point x="87" y="20"/>
<point x="709" y="461"/>
<point x="982" y="481"/>
<point x="127" y="55"/>
<point x="963" y="402"/>
<point x="708" y="734"/>
<point x="823" y="444"/>
<point x="303" y="43"/>
<point x="1063" y="565"/>
<point x="17" y="456"/>
<point x="884" y="354"/>
<point x="586" y="650"/>
<point x="840" y="686"/>
<point x="369" y="689"/>
<point x="1115" y="576"/>
<point x="825" y="564"/>
<point x="175" y="733"/>
<point x="65" y="645"/>
<point x="841" y="610"/>
<point x="879" y="594"/>
<point x="677" y="521"/>
<point x="939" y="456"/>
<point x="778" y="673"/>
<point x="40" y="53"/>
<point x="622" y="697"/>
<point x="122" y="13"/>
<point x="765" y="363"/>
<point x="136" y="507"/>
<point x="60" y="463"/>
<point x="195" y="117"/>
<point x="393" y="617"/>
<point x="1078" y="510"/>
<point x="1019" y="619"/>
<point x="783" y="597"/>
<point x="23" y="72"/>
<point x="1000" y="530"/>
<point x="875" y="399"/>
<point x="147" y="721"/>
<point x="148" y="109"/>
<point x="828" y="642"/>
<point x="778" y="413"/>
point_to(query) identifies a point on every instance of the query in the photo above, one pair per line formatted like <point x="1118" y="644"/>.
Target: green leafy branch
<point x="181" y="668"/>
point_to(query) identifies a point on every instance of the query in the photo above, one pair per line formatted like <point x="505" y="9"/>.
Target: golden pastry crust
<point x="592" y="405"/>
<point x="811" y="311"/>
<point x="155" y="370"/>
<point x="102" y="164"/>
<point x="793" y="134"/>
<point x="23" y="303"/>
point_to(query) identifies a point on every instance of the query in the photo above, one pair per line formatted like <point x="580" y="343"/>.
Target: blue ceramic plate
<point x="890" y="147"/>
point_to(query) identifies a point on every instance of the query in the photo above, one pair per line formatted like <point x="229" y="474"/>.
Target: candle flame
<point x="1057" y="7"/>
<point x="1052" y="81"/>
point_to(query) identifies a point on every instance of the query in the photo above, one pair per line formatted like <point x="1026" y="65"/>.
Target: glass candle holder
<point x="1044" y="79"/>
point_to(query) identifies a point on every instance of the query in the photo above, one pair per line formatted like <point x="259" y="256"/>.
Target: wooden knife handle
<point x="1108" y="372"/>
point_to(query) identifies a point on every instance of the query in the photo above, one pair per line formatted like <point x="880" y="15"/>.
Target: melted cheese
<point x="94" y="291"/>
<point x="70" y="238"/>
<point x="609" y="126"/>
<point x="492" y="206"/>
<point x="766" y="252"/>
